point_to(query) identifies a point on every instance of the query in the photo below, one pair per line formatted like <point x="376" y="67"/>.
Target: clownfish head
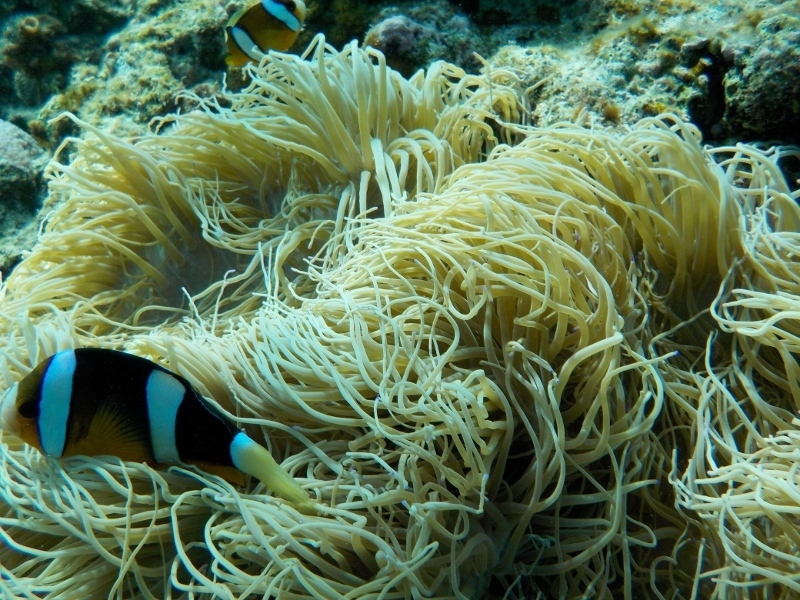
<point x="19" y="409"/>
<point x="261" y="27"/>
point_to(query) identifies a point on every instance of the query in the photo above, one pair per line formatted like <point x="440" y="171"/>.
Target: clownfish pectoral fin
<point x="255" y="460"/>
<point x="111" y="431"/>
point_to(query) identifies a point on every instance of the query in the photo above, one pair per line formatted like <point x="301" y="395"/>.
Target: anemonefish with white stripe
<point x="94" y="401"/>
<point x="268" y="25"/>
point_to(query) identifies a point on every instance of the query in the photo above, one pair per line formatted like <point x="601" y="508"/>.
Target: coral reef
<point x="39" y="49"/>
<point x="419" y="35"/>
<point x="762" y="89"/>
<point x="677" y="57"/>
<point x="613" y="61"/>
<point x="37" y="58"/>
<point x="162" y="52"/>
<point x="120" y="80"/>
<point x="22" y="164"/>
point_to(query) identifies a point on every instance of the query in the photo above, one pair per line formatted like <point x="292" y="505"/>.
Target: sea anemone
<point x="503" y="359"/>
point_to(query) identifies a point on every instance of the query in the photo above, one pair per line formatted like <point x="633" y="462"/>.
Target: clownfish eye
<point x="29" y="409"/>
<point x="290" y="6"/>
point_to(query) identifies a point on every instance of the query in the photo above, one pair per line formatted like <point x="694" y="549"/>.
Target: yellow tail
<point x="255" y="460"/>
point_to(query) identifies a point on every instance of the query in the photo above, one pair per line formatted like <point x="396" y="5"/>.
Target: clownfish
<point x="94" y="401"/>
<point x="268" y="25"/>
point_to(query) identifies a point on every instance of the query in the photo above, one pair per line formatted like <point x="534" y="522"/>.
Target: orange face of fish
<point x="19" y="411"/>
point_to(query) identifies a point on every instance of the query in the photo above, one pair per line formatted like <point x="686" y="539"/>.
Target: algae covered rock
<point x="418" y="35"/>
<point x="21" y="166"/>
<point x="763" y="89"/>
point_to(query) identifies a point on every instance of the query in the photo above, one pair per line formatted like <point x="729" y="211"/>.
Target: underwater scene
<point x="336" y="299"/>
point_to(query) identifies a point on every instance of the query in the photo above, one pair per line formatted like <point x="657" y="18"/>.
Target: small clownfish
<point x="268" y="25"/>
<point x="94" y="402"/>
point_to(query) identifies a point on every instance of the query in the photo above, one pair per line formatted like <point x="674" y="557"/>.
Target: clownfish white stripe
<point x="246" y="43"/>
<point x="55" y="403"/>
<point x="278" y="10"/>
<point x="164" y="396"/>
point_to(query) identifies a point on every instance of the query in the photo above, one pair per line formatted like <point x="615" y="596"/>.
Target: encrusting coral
<point x="494" y="354"/>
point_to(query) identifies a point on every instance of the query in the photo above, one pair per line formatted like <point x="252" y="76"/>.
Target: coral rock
<point x="763" y="89"/>
<point x="21" y="165"/>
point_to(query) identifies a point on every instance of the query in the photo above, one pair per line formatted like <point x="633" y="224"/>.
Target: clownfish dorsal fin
<point x="255" y="460"/>
<point x="111" y="431"/>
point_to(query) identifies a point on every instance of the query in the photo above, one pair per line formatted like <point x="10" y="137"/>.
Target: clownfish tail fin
<point x="255" y="460"/>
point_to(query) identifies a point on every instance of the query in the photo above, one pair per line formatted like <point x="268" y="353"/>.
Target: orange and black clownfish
<point x="268" y="25"/>
<point x="94" y="401"/>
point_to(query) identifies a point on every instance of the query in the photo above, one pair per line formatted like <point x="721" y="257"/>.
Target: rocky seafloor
<point x="732" y="67"/>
